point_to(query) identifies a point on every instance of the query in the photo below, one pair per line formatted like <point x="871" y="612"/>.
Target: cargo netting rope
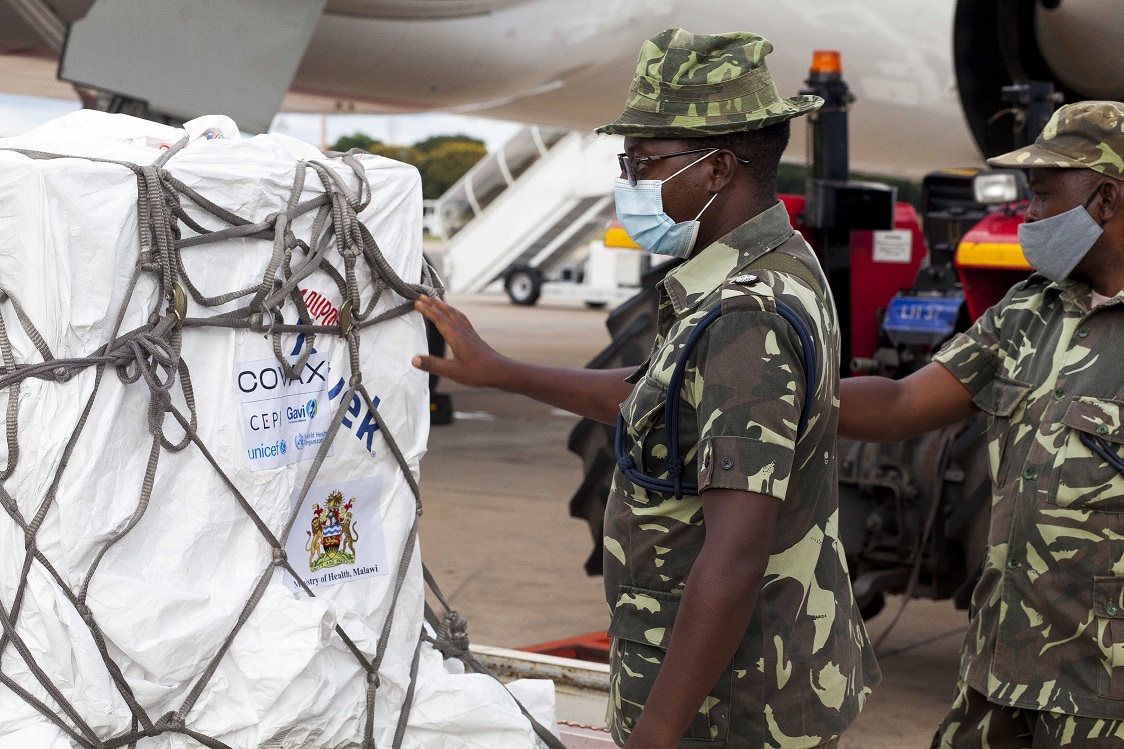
<point x="152" y="354"/>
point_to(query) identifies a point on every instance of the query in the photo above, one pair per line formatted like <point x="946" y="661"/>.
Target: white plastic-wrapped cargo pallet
<point x="205" y="381"/>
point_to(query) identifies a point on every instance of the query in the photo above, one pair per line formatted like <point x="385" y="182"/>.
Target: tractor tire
<point x="632" y="326"/>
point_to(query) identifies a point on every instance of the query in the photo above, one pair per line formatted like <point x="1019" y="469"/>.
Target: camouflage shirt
<point x="805" y="665"/>
<point x="1047" y="625"/>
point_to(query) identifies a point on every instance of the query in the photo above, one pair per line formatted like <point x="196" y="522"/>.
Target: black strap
<point x="1103" y="451"/>
<point x="772" y="261"/>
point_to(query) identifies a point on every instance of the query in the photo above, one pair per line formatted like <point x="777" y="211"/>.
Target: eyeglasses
<point x="630" y="165"/>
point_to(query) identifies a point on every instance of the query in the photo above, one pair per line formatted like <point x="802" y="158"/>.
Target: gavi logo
<point x="297" y="414"/>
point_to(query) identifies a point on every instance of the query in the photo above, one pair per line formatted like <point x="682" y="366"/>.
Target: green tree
<point x="435" y="141"/>
<point x="447" y="162"/>
<point x="405" y="154"/>
<point x="441" y="159"/>
<point x="355" y="140"/>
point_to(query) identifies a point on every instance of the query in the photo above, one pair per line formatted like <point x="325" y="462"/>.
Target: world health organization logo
<point x="298" y="441"/>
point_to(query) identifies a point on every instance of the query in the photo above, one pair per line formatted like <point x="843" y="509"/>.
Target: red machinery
<point x="989" y="259"/>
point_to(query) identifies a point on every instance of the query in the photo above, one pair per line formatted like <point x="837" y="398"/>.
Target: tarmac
<point x="497" y="534"/>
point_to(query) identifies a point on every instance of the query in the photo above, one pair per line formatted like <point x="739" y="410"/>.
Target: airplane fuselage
<point x="926" y="74"/>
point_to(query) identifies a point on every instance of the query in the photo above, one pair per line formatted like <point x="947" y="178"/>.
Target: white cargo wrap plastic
<point x="167" y="595"/>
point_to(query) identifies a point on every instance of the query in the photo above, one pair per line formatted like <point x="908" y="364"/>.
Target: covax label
<point x="284" y="420"/>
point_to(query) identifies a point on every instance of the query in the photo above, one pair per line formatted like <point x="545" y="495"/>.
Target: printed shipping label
<point x="338" y="535"/>
<point x="283" y="421"/>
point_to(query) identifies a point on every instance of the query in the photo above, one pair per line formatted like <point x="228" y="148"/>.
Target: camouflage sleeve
<point x="747" y="389"/>
<point x="973" y="356"/>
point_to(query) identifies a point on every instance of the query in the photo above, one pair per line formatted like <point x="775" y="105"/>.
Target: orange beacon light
<point x="827" y="61"/>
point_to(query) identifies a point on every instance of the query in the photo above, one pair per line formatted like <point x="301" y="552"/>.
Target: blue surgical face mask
<point x="1054" y="246"/>
<point x="640" y="211"/>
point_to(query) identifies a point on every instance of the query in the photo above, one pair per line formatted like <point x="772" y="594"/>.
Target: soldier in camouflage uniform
<point x="733" y="622"/>
<point x="1043" y="662"/>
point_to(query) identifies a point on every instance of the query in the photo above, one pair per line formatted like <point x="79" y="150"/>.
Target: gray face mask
<point x="1054" y="246"/>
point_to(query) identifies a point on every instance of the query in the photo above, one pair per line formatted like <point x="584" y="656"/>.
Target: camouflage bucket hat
<point x="694" y="85"/>
<point x="1083" y="135"/>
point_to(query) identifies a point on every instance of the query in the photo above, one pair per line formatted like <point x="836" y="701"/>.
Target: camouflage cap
<point x="695" y="85"/>
<point x="1082" y="135"/>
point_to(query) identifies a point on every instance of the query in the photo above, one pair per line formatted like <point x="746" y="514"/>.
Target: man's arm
<point x="593" y="393"/>
<point x="883" y="410"/>
<point x="717" y="604"/>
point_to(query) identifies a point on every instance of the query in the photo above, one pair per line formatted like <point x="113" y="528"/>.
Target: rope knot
<point x="279" y="556"/>
<point x="258" y="324"/>
<point x="170" y="721"/>
<point x="452" y="635"/>
<point x="373" y="679"/>
<point x="149" y="357"/>
<point x="675" y="467"/>
<point x="146" y="262"/>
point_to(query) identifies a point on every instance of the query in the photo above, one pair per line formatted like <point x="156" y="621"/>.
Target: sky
<point x="396" y="129"/>
<point x="19" y="114"/>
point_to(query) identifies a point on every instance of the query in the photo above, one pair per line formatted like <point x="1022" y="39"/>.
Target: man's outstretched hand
<point x="593" y="393"/>
<point x="474" y="362"/>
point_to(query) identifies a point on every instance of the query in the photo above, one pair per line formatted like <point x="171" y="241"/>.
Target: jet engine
<point x="1073" y="44"/>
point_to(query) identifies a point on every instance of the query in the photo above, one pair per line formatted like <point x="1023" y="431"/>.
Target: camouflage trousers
<point x="975" y="723"/>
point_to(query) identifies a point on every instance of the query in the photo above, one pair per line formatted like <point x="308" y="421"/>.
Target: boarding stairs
<point x="532" y="204"/>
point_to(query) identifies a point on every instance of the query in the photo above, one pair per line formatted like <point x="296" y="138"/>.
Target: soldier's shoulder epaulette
<point x="749" y="291"/>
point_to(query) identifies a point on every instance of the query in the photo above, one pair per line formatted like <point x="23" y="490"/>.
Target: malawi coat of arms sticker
<point x="331" y="542"/>
<point x="342" y="534"/>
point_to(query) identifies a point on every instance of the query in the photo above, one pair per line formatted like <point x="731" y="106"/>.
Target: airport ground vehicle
<point x="610" y="273"/>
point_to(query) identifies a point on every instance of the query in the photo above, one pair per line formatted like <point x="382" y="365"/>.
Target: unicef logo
<point x="282" y="447"/>
<point x="310" y="407"/>
<point x="298" y="442"/>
